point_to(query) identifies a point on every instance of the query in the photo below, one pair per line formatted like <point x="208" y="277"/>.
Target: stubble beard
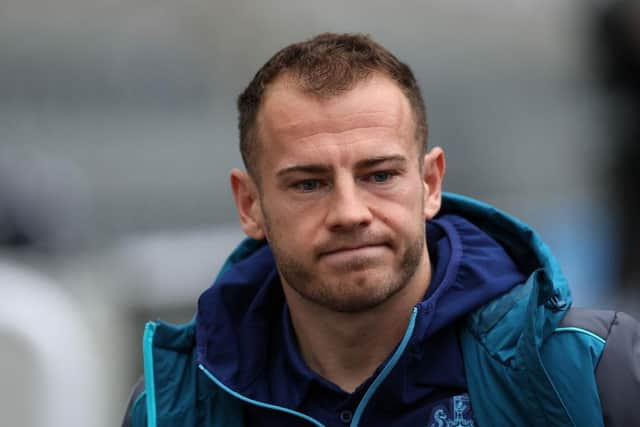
<point x="345" y="295"/>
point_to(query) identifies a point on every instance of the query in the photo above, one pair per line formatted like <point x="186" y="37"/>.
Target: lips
<point x="350" y="248"/>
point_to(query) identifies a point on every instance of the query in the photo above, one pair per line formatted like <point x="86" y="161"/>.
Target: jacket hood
<point x="236" y="316"/>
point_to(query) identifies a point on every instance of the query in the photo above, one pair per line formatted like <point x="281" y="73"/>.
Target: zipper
<point x="385" y="371"/>
<point x="365" y="399"/>
<point x="257" y="402"/>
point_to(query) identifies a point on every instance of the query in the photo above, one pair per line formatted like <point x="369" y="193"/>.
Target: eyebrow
<point x="318" y="168"/>
<point x="374" y="161"/>
<point x="310" y="169"/>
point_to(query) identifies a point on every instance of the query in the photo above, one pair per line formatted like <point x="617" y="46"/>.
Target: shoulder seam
<point x="613" y="322"/>
<point x="581" y="331"/>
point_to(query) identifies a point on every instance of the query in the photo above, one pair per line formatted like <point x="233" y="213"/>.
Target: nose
<point x="348" y="207"/>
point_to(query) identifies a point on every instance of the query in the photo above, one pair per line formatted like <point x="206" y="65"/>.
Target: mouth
<point x="359" y="249"/>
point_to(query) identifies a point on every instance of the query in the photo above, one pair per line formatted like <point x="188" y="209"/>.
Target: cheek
<point x="292" y="228"/>
<point x="402" y="222"/>
<point x="402" y="209"/>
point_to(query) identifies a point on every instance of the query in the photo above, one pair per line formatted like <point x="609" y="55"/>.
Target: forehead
<point x="374" y="104"/>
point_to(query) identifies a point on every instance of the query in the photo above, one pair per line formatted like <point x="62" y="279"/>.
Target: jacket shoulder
<point x="618" y="369"/>
<point x="174" y="392"/>
<point x="511" y="349"/>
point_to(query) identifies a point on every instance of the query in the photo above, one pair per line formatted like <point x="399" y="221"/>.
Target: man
<point x="339" y="311"/>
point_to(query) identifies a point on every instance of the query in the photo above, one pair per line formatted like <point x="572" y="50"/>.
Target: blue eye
<point x="307" y="185"/>
<point x="380" y="177"/>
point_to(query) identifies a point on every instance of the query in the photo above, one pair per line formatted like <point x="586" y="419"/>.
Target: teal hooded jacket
<point x="530" y="359"/>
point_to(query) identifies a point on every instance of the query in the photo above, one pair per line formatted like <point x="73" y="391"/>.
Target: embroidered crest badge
<point x="462" y="416"/>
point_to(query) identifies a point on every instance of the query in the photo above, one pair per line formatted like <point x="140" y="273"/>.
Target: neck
<point x="347" y="348"/>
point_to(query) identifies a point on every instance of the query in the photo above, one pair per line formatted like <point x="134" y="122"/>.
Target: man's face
<point x="342" y="195"/>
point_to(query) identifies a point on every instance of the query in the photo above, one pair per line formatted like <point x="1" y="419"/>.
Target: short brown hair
<point x="326" y="65"/>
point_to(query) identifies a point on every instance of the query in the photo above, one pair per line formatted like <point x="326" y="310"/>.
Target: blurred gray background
<point x="118" y="130"/>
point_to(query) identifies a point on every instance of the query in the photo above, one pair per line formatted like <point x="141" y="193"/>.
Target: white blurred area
<point x="47" y="341"/>
<point x="118" y="130"/>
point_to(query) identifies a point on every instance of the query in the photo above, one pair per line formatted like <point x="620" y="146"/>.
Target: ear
<point x="246" y="197"/>
<point x="432" y="175"/>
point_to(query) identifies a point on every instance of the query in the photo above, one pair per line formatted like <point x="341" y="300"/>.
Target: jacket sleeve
<point x="137" y="391"/>
<point x="618" y="370"/>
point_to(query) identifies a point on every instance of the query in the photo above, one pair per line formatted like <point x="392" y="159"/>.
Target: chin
<point x="366" y="291"/>
<point x="358" y="303"/>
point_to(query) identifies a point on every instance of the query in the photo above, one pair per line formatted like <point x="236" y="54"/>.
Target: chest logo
<point x="460" y="406"/>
